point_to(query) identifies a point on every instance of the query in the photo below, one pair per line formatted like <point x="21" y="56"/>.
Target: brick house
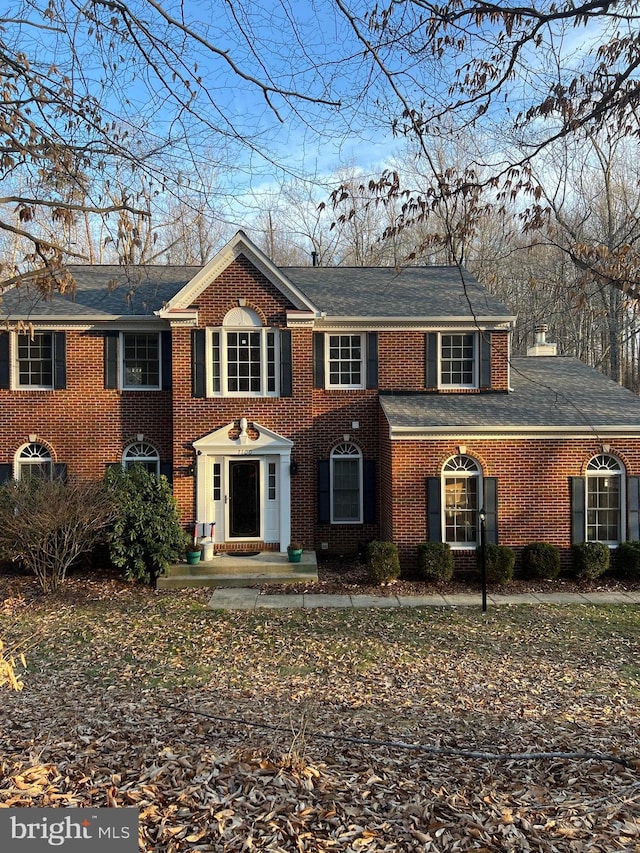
<point x="330" y="405"/>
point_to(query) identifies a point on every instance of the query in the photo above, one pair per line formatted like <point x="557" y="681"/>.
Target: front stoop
<point x="224" y="571"/>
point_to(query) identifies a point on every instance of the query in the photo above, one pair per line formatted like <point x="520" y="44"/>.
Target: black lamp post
<point x="483" y="556"/>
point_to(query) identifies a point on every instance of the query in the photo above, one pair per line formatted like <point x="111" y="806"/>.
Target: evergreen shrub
<point x="590" y="560"/>
<point x="383" y="562"/>
<point x="541" y="560"/>
<point x="435" y="561"/>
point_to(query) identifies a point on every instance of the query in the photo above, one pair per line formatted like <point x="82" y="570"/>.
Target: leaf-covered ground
<point x="300" y="730"/>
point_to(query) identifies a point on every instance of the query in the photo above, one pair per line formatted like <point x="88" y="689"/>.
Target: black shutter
<point x="324" y="496"/>
<point x="286" y="371"/>
<point x="431" y="360"/>
<point x="485" y="360"/>
<point x="490" y="485"/>
<point x="633" y="524"/>
<point x="166" y="470"/>
<point x="577" y="510"/>
<point x="165" y="355"/>
<point x="318" y="360"/>
<point x="369" y="492"/>
<point x="6" y="472"/>
<point x="111" y="359"/>
<point x="434" y="518"/>
<point x="60" y="472"/>
<point x="5" y="373"/>
<point x="198" y="358"/>
<point x="372" y="360"/>
<point x="59" y="360"/>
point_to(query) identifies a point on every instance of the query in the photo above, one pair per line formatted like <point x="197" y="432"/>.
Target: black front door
<point x="244" y="503"/>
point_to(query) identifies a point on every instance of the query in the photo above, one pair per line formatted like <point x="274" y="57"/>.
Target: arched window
<point x="142" y="453"/>
<point x="244" y="356"/>
<point x="346" y="484"/>
<point x="461" y="490"/>
<point x="34" y="462"/>
<point x="604" y="499"/>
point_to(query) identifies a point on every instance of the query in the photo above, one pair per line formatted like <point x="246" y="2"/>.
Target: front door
<point x="244" y="499"/>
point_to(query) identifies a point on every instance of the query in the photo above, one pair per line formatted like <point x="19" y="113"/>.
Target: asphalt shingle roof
<point x="546" y="391"/>
<point x="422" y="291"/>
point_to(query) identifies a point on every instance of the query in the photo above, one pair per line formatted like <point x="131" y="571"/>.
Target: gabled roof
<point x="555" y="395"/>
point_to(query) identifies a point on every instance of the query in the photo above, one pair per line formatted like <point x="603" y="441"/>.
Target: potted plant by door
<point x="192" y="549"/>
<point x="294" y="552"/>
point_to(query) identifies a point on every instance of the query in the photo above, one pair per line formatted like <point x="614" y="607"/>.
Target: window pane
<point x="461" y="509"/>
<point x="457" y="356"/>
<point x="35" y="360"/>
<point x="345" y="360"/>
<point x="141" y="360"/>
<point x="244" y="358"/>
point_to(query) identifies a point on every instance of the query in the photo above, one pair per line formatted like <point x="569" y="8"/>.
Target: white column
<point x="285" y="501"/>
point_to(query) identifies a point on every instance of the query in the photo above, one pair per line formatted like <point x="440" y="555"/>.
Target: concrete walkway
<point x="251" y="599"/>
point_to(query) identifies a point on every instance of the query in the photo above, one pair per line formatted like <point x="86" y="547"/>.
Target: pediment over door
<point x="266" y="441"/>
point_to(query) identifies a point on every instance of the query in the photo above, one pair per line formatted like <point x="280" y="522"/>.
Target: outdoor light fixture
<point x="293" y="467"/>
<point x="482" y="515"/>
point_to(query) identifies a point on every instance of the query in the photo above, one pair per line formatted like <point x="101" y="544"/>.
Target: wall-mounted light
<point x="293" y="467"/>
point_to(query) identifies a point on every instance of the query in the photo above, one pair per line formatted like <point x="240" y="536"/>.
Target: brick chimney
<point x="541" y="347"/>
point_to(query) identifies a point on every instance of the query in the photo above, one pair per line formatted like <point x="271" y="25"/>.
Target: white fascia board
<point x="102" y="323"/>
<point x="426" y="324"/>
<point x="240" y="244"/>
<point x="458" y="433"/>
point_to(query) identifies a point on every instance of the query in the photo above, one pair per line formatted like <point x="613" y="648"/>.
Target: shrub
<point x="629" y="559"/>
<point x="146" y="536"/>
<point x="500" y="563"/>
<point x="590" y="560"/>
<point x="435" y="561"/>
<point x="541" y="560"/>
<point x="383" y="562"/>
<point x="49" y="524"/>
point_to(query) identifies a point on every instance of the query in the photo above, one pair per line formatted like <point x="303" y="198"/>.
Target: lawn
<point x="345" y="730"/>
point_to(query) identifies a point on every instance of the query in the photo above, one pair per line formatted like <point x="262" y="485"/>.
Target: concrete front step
<point x="268" y="567"/>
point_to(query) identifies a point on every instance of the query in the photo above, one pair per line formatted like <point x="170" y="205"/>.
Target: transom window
<point x="141" y="360"/>
<point x="34" y="462"/>
<point x="604" y="500"/>
<point x="142" y="453"/>
<point x="244" y="359"/>
<point x="346" y="484"/>
<point x="458" y="362"/>
<point x="461" y="484"/>
<point x="35" y="360"/>
<point x="345" y="361"/>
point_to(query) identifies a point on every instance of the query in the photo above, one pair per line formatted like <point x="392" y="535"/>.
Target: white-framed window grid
<point x="141" y="453"/>
<point x="243" y="362"/>
<point x="33" y="461"/>
<point x="461" y="497"/>
<point x="140" y="361"/>
<point x="458" y="360"/>
<point x="33" y="360"/>
<point x="345" y="360"/>
<point x="346" y="484"/>
<point x="605" y="498"/>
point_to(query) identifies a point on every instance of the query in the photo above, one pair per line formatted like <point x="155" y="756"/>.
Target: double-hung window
<point x="345" y="365"/>
<point x="35" y="360"/>
<point x="604" y="500"/>
<point x="346" y="484"/>
<point x="458" y="360"/>
<point x="461" y="485"/>
<point x="140" y="360"/>
<point x="244" y="357"/>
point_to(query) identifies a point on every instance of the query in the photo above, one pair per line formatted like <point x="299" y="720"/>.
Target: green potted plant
<point x="192" y="548"/>
<point x="294" y="552"/>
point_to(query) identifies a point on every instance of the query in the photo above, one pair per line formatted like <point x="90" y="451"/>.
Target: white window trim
<point x="363" y="362"/>
<point x="263" y="332"/>
<point x="155" y="457"/>
<point x="620" y="473"/>
<point x="15" y="361"/>
<point x="476" y="361"/>
<point x="332" y="456"/>
<point x="123" y="385"/>
<point x="460" y="546"/>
